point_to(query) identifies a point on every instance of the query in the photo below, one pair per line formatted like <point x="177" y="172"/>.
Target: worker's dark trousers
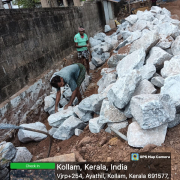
<point x="153" y="3"/>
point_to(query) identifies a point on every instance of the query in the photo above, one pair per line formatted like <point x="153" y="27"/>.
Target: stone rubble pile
<point x="10" y="153"/>
<point x="143" y="83"/>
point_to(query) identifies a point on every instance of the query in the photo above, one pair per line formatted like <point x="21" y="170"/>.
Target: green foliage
<point x="26" y="3"/>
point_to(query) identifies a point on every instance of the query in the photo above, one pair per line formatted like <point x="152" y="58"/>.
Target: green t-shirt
<point x="81" y="41"/>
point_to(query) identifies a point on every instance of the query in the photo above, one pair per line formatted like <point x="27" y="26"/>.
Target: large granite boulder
<point x="122" y="91"/>
<point x="147" y="41"/>
<point x="129" y="63"/>
<point x="138" y="137"/>
<point x="152" y="110"/>
<point x="58" y="118"/>
<point x="27" y="136"/>
<point x="22" y="155"/>
<point x="91" y="104"/>
<point x="67" y="128"/>
<point x="172" y="88"/>
<point x="171" y="67"/>
<point x="109" y="113"/>
<point x="95" y="126"/>
<point x="176" y="46"/>
<point x="157" y="56"/>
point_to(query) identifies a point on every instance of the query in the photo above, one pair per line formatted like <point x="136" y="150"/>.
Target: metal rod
<point x="119" y="134"/>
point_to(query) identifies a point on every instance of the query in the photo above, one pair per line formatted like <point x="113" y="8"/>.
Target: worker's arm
<point x="80" y="46"/>
<point x="58" y="96"/>
<point x="72" y="98"/>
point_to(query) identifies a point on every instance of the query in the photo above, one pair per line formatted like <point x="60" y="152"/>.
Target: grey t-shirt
<point x="70" y="75"/>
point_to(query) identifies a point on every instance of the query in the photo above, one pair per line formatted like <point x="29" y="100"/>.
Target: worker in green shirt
<point x="82" y="44"/>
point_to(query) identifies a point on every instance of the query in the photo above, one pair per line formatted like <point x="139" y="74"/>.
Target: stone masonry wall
<point x="33" y="40"/>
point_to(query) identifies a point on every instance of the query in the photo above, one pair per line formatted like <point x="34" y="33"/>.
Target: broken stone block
<point x="7" y="150"/>
<point x="147" y="71"/>
<point x="95" y="126"/>
<point x="158" y="81"/>
<point x="175" y="122"/>
<point x="97" y="61"/>
<point x="139" y="25"/>
<point x="156" y="9"/>
<point x="147" y="41"/>
<point x="4" y="174"/>
<point x="152" y="110"/>
<point x="167" y="29"/>
<point x="93" y="42"/>
<point x="171" y="67"/>
<point x="52" y="131"/>
<point x="91" y="104"/>
<point x="125" y="34"/>
<point x="62" y="158"/>
<point x="114" y="59"/>
<point x="100" y="36"/>
<point x="146" y="15"/>
<point x="58" y="118"/>
<point x="172" y="88"/>
<point x="121" y="44"/>
<point x="122" y="91"/>
<point x="67" y="128"/>
<point x="134" y="36"/>
<point x="92" y="66"/>
<point x="127" y="65"/>
<point x="63" y="102"/>
<point x="105" y="56"/>
<point x="106" y="90"/>
<point x="127" y="111"/>
<point x="108" y="78"/>
<point x="78" y="132"/>
<point x="83" y="116"/>
<point x="165" y="12"/>
<point x="107" y="28"/>
<point x="176" y="46"/>
<point x="144" y="87"/>
<point x="27" y="136"/>
<point x="118" y="125"/>
<point x="138" y="137"/>
<point x="22" y="155"/>
<point x="67" y="93"/>
<point x="165" y="42"/>
<point x="109" y="113"/>
<point x="49" y="102"/>
<point x="132" y="19"/>
<point x="157" y="57"/>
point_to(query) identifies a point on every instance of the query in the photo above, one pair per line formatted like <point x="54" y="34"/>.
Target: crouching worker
<point x="72" y="75"/>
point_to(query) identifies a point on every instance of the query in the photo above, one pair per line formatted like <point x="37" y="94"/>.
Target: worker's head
<point x="57" y="82"/>
<point x="81" y="30"/>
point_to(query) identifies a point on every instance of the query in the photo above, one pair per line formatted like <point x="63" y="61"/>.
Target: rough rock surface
<point x="48" y="103"/>
<point x="116" y="126"/>
<point x="109" y="113"/>
<point x="85" y="117"/>
<point x="144" y="87"/>
<point x="7" y="150"/>
<point x="158" y="81"/>
<point x="131" y="19"/>
<point x="22" y="155"/>
<point x="92" y="66"/>
<point x="52" y="131"/>
<point x="100" y="36"/>
<point x="175" y="122"/>
<point x="146" y="41"/>
<point x="138" y="137"/>
<point x="176" y="46"/>
<point x="91" y="104"/>
<point x="152" y="110"/>
<point x="126" y="65"/>
<point x="78" y="132"/>
<point x="114" y="59"/>
<point x="147" y="71"/>
<point x="93" y="42"/>
<point x="171" y="67"/>
<point x="26" y="136"/>
<point x="172" y="87"/>
<point x="157" y="56"/>
<point x="94" y="126"/>
<point x="67" y="128"/>
<point x="107" y="28"/>
<point x="134" y="36"/>
<point x="58" y="118"/>
<point x="165" y="42"/>
<point x="122" y="91"/>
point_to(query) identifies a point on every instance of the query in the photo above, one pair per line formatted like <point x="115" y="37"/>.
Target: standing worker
<point x="72" y="75"/>
<point x="154" y="2"/>
<point x="82" y="44"/>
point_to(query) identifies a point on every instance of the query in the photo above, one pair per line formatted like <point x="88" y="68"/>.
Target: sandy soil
<point x="104" y="146"/>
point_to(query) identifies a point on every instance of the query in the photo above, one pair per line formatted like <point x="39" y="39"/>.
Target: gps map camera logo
<point x="134" y="157"/>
